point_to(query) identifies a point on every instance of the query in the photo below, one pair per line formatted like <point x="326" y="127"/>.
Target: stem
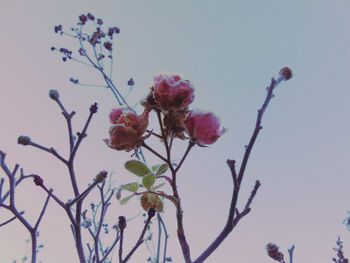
<point x="120" y="254"/>
<point x="151" y="213"/>
<point x="233" y="219"/>
<point x="159" y="237"/>
<point x="189" y="147"/>
<point x="111" y="248"/>
<point x="166" y="238"/>
<point x="155" y="153"/>
<point x="290" y="252"/>
<point x="34" y="245"/>
<point x="10" y="220"/>
<point x="165" y="137"/>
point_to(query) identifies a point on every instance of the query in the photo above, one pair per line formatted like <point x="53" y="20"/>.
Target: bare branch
<point x="151" y="213"/>
<point x="42" y="212"/>
<point x="10" y="220"/>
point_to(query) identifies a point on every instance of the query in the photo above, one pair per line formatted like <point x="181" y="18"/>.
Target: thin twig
<point x="290" y="252"/>
<point x="189" y="147"/>
<point x="36" y="226"/>
<point x="151" y="213"/>
<point x="10" y="220"/>
<point x="155" y="153"/>
<point x="232" y="220"/>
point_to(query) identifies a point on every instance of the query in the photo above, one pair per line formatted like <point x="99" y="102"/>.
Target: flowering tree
<point x="169" y="99"/>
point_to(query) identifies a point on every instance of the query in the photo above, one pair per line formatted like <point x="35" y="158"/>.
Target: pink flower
<point x="127" y="129"/>
<point x="172" y="93"/>
<point x="203" y="127"/>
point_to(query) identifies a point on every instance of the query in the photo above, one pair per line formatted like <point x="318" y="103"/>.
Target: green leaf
<point x="132" y="187"/>
<point x="153" y="188"/>
<point x="125" y="199"/>
<point x="162" y="169"/>
<point x="137" y="167"/>
<point x="155" y="168"/>
<point x="148" y="180"/>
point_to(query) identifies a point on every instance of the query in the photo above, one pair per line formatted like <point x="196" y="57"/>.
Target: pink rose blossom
<point x="203" y="127"/>
<point x="127" y="129"/>
<point x="172" y="93"/>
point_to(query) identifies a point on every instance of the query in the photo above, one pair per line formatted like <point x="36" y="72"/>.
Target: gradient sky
<point x="229" y="50"/>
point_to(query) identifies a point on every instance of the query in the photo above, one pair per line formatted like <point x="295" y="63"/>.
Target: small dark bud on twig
<point x="101" y="176"/>
<point x="38" y="180"/>
<point x="82" y="19"/>
<point x="151" y="212"/>
<point x="108" y="45"/>
<point x="91" y="16"/>
<point x="94" y="108"/>
<point x="24" y="140"/>
<point x="58" y="29"/>
<point x="121" y="222"/>
<point x="131" y="82"/>
<point x="274" y="253"/>
<point x="99" y="21"/>
<point x="286" y="73"/>
<point x="53" y="94"/>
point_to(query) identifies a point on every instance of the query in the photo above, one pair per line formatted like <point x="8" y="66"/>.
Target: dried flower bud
<point x="127" y="129"/>
<point x="272" y="251"/>
<point x="151" y="212"/>
<point x="131" y="82"/>
<point x="112" y="31"/>
<point x="53" y="94"/>
<point x="286" y="73"/>
<point x="93" y="108"/>
<point x="91" y="16"/>
<point x="121" y="222"/>
<point x="101" y="176"/>
<point x="58" y="29"/>
<point x="24" y="140"/>
<point x="38" y="180"/>
<point x="108" y="45"/>
<point x="151" y="201"/>
<point x="83" y="19"/>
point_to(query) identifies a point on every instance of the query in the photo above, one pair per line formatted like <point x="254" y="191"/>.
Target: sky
<point x="229" y="50"/>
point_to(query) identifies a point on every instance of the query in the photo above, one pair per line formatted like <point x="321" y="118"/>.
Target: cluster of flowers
<point x="170" y="97"/>
<point x="97" y="37"/>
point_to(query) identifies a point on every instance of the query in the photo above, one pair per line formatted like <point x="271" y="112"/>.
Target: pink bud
<point x="172" y="93"/>
<point x="127" y="129"/>
<point x="203" y="127"/>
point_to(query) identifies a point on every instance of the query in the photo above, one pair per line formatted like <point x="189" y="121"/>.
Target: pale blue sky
<point x="229" y="50"/>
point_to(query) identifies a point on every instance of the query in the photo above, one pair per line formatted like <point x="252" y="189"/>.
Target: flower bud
<point x="101" y="176"/>
<point x="24" y="140"/>
<point x="286" y="73"/>
<point x="121" y="222"/>
<point x="93" y="108"/>
<point x="151" y="212"/>
<point x="38" y="180"/>
<point x="53" y="94"/>
<point x="272" y="251"/>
